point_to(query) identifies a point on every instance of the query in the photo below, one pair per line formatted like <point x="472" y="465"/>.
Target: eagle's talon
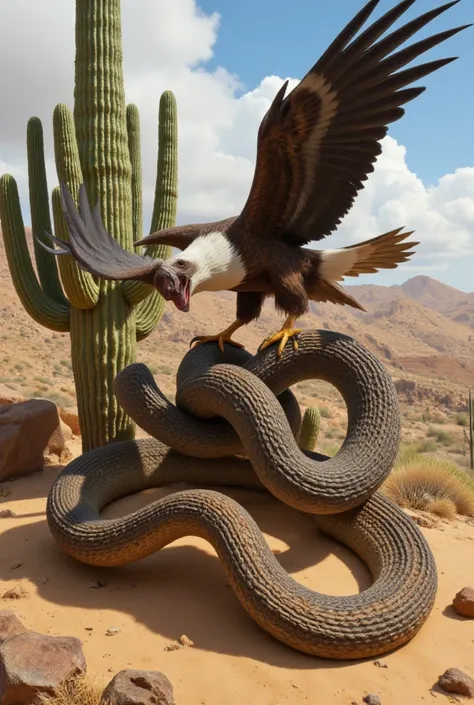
<point x="283" y="336"/>
<point x="220" y="339"/>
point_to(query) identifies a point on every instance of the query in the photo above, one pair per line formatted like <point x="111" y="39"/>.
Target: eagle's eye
<point x="180" y="263"/>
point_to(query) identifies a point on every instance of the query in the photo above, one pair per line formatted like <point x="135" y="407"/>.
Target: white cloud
<point x="442" y="215"/>
<point x="166" y="45"/>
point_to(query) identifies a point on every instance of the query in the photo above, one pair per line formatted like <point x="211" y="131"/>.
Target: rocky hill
<point x="456" y="305"/>
<point x="422" y="331"/>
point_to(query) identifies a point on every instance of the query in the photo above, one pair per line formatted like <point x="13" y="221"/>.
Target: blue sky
<point x="256" y="39"/>
<point x="178" y="45"/>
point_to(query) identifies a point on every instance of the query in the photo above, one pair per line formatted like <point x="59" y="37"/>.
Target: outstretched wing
<point x="318" y="145"/>
<point x="176" y="237"/>
<point x="184" y="235"/>
<point x="92" y="246"/>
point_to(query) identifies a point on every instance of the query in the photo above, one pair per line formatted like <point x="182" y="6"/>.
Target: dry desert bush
<point x="443" y="507"/>
<point x="423" y="483"/>
<point x="76" y="691"/>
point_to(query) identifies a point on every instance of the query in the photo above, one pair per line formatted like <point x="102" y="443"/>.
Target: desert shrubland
<point x="76" y="691"/>
<point x="429" y="484"/>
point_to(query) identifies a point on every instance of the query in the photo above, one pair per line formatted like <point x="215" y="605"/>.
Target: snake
<point x="234" y="423"/>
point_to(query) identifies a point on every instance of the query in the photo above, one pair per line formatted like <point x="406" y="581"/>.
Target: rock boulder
<point x="131" y="687"/>
<point x="25" y="429"/>
<point x="463" y="602"/>
<point x="33" y="663"/>
<point x="455" y="681"/>
<point x="10" y="625"/>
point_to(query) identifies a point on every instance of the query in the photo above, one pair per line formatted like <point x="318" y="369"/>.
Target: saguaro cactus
<point x="309" y="428"/>
<point x="99" y="144"/>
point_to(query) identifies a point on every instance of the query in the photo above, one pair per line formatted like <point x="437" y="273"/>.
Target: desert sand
<point x="182" y="590"/>
<point x="419" y="333"/>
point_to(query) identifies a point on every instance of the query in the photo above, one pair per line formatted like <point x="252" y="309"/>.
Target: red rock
<point x="25" y="429"/>
<point x="58" y="450"/>
<point x="32" y="663"/>
<point x="10" y="625"/>
<point x="463" y="602"/>
<point x="132" y="687"/>
<point x="70" y="419"/>
<point x="455" y="681"/>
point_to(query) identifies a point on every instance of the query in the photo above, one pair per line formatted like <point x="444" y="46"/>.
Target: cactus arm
<point x="309" y="429"/>
<point x="40" y="305"/>
<point x="40" y="215"/>
<point x="144" y="321"/>
<point x="166" y="193"/>
<point x="164" y="215"/>
<point x="133" y="132"/>
<point x="79" y="286"/>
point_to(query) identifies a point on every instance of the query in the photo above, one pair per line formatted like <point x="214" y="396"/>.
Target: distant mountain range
<point x="420" y="329"/>
<point x="454" y="304"/>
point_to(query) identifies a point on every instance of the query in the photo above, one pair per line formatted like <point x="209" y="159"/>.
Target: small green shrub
<point x="43" y="380"/>
<point x="461" y="418"/>
<point x="428" y="445"/>
<point x="429" y="484"/>
<point x="440" y="435"/>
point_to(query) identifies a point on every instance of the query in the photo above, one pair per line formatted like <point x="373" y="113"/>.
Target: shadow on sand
<point x="181" y="589"/>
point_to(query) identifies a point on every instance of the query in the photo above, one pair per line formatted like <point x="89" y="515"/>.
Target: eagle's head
<point x="173" y="281"/>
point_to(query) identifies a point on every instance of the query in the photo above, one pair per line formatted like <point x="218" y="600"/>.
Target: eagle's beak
<point x="173" y="285"/>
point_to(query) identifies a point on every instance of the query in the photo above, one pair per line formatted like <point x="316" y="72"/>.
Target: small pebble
<point x="181" y="643"/>
<point x="380" y="664"/>
<point x="15" y="593"/>
<point x="99" y="583"/>
<point x="463" y="602"/>
<point x="111" y="631"/>
<point x="372" y="699"/>
<point x="456" y="681"/>
<point x="185" y="640"/>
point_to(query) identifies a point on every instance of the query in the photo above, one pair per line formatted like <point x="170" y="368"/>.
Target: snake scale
<point x="235" y="423"/>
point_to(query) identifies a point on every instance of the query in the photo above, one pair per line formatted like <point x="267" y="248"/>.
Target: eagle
<point x="316" y="147"/>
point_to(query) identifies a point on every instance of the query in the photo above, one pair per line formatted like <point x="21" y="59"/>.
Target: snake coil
<point x="234" y="424"/>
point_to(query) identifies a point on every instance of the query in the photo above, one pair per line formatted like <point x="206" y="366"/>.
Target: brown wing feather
<point x="92" y="246"/>
<point x="317" y="146"/>
<point x="180" y="237"/>
<point x="333" y="293"/>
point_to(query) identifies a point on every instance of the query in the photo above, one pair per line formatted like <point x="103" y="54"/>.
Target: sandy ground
<point x="182" y="590"/>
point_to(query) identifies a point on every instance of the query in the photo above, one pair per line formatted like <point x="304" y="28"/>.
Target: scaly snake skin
<point x="253" y="445"/>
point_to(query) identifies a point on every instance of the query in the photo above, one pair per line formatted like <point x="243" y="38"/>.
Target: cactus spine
<point x="98" y="144"/>
<point x="310" y="428"/>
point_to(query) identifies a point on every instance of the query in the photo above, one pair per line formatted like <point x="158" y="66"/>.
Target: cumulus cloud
<point x="442" y="215"/>
<point x="166" y="46"/>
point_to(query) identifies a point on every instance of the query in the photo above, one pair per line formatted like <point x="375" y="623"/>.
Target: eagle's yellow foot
<point x="220" y="338"/>
<point x="287" y="331"/>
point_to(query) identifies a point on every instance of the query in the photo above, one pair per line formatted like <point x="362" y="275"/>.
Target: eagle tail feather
<point x="384" y="251"/>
